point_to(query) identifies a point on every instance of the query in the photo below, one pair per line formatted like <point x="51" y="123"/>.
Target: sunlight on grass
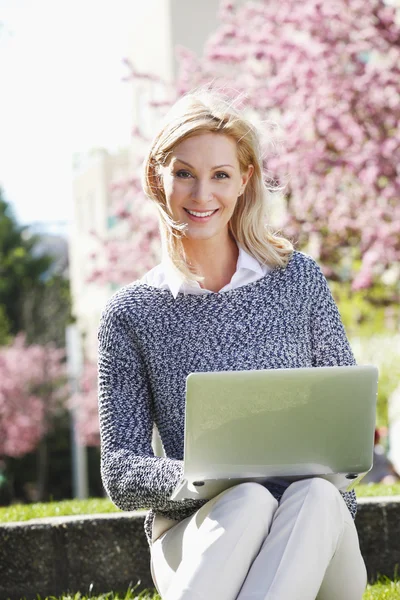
<point x="24" y="512"/>
<point x="129" y="595"/>
<point x="384" y="590"/>
<point x="377" y="489"/>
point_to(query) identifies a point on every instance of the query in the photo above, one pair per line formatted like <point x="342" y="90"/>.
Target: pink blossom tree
<point x="84" y="403"/>
<point x="132" y="246"/>
<point x="32" y="387"/>
<point x="329" y="72"/>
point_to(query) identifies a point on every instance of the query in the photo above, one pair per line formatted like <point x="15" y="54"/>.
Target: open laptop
<point x="275" y="424"/>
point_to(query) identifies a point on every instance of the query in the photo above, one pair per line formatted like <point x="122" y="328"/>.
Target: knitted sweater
<point x="149" y="342"/>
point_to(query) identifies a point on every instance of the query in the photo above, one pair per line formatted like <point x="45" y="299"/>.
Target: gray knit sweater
<point x="149" y="342"/>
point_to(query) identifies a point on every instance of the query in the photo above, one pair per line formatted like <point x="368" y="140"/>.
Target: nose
<point x="202" y="191"/>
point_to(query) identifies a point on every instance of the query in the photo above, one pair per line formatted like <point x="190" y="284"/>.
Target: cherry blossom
<point x="32" y="390"/>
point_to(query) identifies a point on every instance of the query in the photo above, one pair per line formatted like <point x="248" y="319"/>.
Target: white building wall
<point x="93" y="175"/>
<point x="161" y="25"/>
<point x="191" y="25"/>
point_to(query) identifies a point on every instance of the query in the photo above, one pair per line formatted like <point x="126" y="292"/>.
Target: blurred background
<point x="84" y="85"/>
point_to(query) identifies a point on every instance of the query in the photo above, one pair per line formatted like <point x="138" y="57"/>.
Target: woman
<point x="228" y="295"/>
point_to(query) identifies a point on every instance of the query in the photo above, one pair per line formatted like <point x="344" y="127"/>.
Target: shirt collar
<point x="172" y="277"/>
<point x="176" y="283"/>
<point x="246" y="261"/>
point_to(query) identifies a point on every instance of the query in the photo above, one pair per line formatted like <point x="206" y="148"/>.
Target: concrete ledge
<point x="60" y="554"/>
<point x="378" y="526"/>
<point x="110" y="551"/>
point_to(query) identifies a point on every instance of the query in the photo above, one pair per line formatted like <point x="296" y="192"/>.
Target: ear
<point x="245" y="178"/>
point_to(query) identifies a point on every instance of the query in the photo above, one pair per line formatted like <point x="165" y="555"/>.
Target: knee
<point x="245" y="506"/>
<point x="253" y="497"/>
<point x="319" y="491"/>
<point x="255" y="506"/>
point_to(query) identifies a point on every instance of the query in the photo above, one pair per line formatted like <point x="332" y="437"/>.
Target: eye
<point x="221" y="175"/>
<point x="183" y="174"/>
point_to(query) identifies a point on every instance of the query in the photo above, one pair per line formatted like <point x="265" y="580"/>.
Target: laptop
<point x="277" y="425"/>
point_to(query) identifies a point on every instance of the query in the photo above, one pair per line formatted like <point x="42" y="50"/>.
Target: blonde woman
<point x="228" y="295"/>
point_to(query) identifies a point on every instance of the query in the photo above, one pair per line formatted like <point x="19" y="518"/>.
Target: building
<point x="93" y="175"/>
<point x="160" y="28"/>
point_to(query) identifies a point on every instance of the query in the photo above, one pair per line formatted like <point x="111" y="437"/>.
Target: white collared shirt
<point x="163" y="276"/>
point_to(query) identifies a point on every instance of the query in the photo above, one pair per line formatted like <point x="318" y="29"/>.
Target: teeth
<point x="200" y="214"/>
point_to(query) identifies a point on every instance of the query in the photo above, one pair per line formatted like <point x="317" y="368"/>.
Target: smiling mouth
<point x="201" y="214"/>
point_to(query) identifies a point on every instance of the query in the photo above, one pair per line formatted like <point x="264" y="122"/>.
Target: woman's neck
<point x="214" y="260"/>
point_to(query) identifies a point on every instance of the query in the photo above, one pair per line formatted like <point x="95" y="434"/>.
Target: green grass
<point x="129" y="595"/>
<point x="385" y="590"/>
<point x="24" y="512"/>
<point x="377" y="489"/>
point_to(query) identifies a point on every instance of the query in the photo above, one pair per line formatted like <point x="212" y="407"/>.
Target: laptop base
<point x="209" y="488"/>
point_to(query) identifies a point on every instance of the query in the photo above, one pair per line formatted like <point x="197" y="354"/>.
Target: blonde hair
<point x="207" y="112"/>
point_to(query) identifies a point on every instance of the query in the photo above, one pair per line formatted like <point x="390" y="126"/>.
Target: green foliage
<point x="46" y="311"/>
<point x="20" y="269"/>
<point x="370" y="318"/>
<point x="384" y="352"/>
<point x="370" y="311"/>
<point x="32" y="299"/>
<point x="4" y="327"/>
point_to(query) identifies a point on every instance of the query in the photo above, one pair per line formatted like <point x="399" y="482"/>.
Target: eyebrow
<point x="192" y="167"/>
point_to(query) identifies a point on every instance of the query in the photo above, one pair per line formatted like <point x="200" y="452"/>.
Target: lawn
<point x="386" y="590"/>
<point x="377" y="489"/>
<point x="24" y="512"/>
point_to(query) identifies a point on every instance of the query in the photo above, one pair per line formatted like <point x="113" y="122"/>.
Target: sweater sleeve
<point x="132" y="476"/>
<point x="330" y="346"/>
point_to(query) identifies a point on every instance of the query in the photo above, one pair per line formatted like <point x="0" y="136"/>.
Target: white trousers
<point x="243" y="545"/>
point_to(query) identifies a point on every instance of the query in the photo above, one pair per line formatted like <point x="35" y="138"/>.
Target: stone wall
<point x="378" y="526"/>
<point x="102" y="553"/>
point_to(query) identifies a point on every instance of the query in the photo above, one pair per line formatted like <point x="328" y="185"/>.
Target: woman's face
<point x="202" y="182"/>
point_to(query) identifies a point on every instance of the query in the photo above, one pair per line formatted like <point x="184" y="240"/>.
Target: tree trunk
<point x="42" y="470"/>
